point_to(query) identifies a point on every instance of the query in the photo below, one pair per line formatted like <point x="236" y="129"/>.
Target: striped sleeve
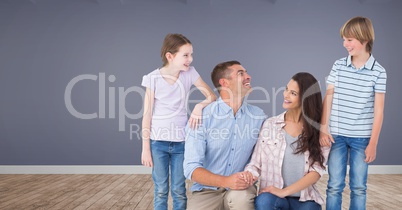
<point x="333" y="74"/>
<point x="380" y="84"/>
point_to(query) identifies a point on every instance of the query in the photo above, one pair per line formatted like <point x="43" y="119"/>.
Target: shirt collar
<point x="368" y="65"/>
<point x="226" y="108"/>
<point x="280" y="119"/>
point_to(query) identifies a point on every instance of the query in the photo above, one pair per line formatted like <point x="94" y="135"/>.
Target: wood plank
<point x="118" y="192"/>
<point x="89" y="192"/>
<point x="25" y="190"/>
<point x="101" y="202"/>
<point x="86" y="184"/>
<point x="142" y="189"/>
<point x="36" y="197"/>
<point x="135" y="191"/>
<point x="53" y="192"/>
<point x="129" y="194"/>
<point x="147" y="199"/>
<point x="107" y="187"/>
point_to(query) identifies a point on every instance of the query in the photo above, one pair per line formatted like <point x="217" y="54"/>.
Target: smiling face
<point x="239" y="80"/>
<point x="183" y="58"/>
<point x="291" y="96"/>
<point x="354" y="46"/>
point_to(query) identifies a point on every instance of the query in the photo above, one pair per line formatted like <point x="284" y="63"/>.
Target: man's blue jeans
<point x="165" y="154"/>
<point x="354" y="148"/>
<point x="265" y="201"/>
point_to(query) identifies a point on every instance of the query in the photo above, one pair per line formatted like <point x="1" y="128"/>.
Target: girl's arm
<point x="146" y="157"/>
<point x="325" y="136"/>
<point x="195" y="117"/>
<point x="371" y="149"/>
<point x="307" y="180"/>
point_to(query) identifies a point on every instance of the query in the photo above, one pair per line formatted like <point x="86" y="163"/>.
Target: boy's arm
<point x="195" y="117"/>
<point x="325" y="136"/>
<point x="146" y="158"/>
<point x="379" y="99"/>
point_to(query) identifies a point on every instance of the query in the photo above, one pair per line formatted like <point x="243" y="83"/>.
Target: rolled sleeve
<point x="194" y="152"/>
<point x="255" y="163"/>
<point x="316" y="167"/>
<point x="252" y="170"/>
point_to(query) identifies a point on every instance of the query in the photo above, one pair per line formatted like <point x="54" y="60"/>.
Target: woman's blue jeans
<point x="268" y="201"/>
<point x="341" y="150"/>
<point x="165" y="154"/>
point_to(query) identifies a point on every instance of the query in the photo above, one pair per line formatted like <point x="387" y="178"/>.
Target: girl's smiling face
<point x="183" y="58"/>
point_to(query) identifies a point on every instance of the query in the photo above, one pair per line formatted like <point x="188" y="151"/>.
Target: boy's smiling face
<point x="354" y="46"/>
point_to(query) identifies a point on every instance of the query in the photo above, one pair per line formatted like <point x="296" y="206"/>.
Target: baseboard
<point x="74" y="169"/>
<point x="383" y="169"/>
<point x="130" y="169"/>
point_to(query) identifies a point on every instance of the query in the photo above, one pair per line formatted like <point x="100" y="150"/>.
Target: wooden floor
<point x="131" y="191"/>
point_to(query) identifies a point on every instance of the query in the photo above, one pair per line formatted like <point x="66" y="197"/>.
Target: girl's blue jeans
<point x="165" y="155"/>
<point x="341" y="150"/>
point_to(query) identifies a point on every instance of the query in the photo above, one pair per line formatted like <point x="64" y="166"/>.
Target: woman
<point x="288" y="157"/>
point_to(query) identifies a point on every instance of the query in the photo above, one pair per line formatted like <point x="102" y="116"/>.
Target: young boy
<point x="353" y="108"/>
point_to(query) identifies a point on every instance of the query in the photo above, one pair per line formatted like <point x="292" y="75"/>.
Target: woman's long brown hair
<point x="310" y="96"/>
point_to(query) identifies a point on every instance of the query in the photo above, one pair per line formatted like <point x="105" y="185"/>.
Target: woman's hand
<point x="274" y="190"/>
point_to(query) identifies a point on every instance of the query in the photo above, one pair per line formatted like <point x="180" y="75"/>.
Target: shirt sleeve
<point x="195" y="148"/>
<point x="149" y="81"/>
<point x="316" y="167"/>
<point x="380" y="85"/>
<point x="333" y="74"/>
<point x="255" y="163"/>
<point x="193" y="75"/>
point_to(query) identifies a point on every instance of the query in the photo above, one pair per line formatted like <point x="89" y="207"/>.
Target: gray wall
<point x="45" y="44"/>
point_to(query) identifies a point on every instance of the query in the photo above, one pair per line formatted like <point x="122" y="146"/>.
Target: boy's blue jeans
<point x="165" y="154"/>
<point x="337" y="164"/>
<point x="270" y="201"/>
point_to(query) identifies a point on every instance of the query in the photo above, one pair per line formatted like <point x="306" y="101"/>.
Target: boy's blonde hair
<point x="361" y="29"/>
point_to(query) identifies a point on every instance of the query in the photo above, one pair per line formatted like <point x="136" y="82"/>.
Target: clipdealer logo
<point x="108" y="95"/>
<point x="122" y="112"/>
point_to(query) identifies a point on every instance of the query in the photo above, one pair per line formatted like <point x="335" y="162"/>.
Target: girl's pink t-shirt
<point x="169" y="115"/>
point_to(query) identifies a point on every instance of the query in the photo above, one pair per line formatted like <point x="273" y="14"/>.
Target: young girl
<point x="288" y="157"/>
<point x="165" y="117"/>
<point x="353" y="108"/>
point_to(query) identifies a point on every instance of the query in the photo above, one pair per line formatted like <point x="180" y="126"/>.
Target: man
<point x="217" y="152"/>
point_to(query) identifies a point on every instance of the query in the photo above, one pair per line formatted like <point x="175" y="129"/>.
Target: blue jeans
<point x="337" y="163"/>
<point x="265" y="201"/>
<point x="165" y="154"/>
